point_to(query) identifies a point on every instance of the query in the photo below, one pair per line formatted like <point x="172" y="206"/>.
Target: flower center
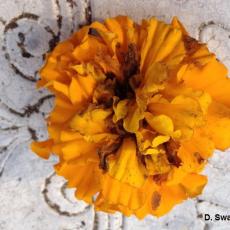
<point x="124" y="89"/>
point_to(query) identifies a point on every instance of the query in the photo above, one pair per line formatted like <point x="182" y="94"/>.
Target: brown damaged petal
<point x="199" y="158"/>
<point x="171" y="148"/>
<point x="191" y="44"/>
<point x="159" y="178"/>
<point x="131" y="62"/>
<point x="117" y="128"/>
<point x="105" y="152"/>
<point x="156" y="199"/>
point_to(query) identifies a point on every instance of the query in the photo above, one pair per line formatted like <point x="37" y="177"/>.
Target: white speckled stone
<point x="31" y="196"/>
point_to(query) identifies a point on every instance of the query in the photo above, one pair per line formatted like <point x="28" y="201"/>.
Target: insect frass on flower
<point x="139" y="108"/>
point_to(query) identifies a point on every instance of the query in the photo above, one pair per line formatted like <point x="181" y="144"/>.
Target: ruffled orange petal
<point x="116" y="193"/>
<point x="184" y="118"/>
<point x="169" y="196"/>
<point x="125" y="166"/>
<point x="43" y="148"/>
<point x="212" y="78"/>
<point x="194" y="184"/>
<point x="218" y="125"/>
<point x="83" y="177"/>
<point x="91" y="122"/>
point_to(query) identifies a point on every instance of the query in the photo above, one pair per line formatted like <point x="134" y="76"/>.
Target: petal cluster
<point x="139" y="108"/>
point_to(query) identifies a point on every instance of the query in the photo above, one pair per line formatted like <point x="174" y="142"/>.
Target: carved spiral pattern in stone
<point x="61" y="199"/>
<point x="31" y="196"/>
<point x="217" y="36"/>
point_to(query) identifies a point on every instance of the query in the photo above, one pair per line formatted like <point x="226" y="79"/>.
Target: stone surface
<point x="31" y="196"/>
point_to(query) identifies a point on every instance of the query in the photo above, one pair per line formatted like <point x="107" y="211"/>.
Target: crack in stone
<point x="3" y="149"/>
<point x="200" y="215"/>
<point x="30" y="109"/>
<point x="59" y="22"/>
<point x="21" y="45"/>
<point x="221" y="169"/>
<point x="53" y="41"/>
<point x="8" y="152"/>
<point x="1" y="172"/>
<point x="96" y="222"/>
<point x="88" y="14"/>
<point x="10" y="128"/>
<point x="32" y="134"/>
<point x="212" y="203"/>
<point x="72" y="4"/>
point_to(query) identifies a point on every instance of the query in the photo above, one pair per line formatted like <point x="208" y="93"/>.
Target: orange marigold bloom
<point x="139" y="108"/>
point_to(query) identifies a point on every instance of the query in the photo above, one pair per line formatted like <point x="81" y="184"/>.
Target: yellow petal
<point x="62" y="111"/>
<point x="154" y="78"/>
<point x="134" y="116"/>
<point x="212" y="78"/>
<point x="69" y="135"/>
<point x="151" y="151"/>
<point x="184" y="117"/>
<point x="88" y="49"/>
<point x="60" y="87"/>
<point x="144" y="138"/>
<point x="162" y="30"/>
<point x="170" y="196"/>
<point x="101" y="138"/>
<point x="161" y="123"/>
<point x="126" y="167"/>
<point x="118" y="195"/>
<point x="120" y="110"/>
<point x="194" y="184"/>
<point x="81" y="89"/>
<point x="156" y="162"/>
<point x="159" y="140"/>
<point x="90" y="122"/>
<point x="76" y="148"/>
<point x="151" y="29"/>
<point x="177" y="24"/>
<point x="218" y="125"/>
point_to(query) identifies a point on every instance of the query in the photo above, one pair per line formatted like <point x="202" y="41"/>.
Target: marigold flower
<point x="139" y="108"/>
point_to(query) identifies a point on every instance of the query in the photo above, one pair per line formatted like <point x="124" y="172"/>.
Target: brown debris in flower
<point x="140" y="156"/>
<point x="117" y="128"/>
<point x="93" y="32"/>
<point x="123" y="90"/>
<point x="130" y="69"/>
<point x="110" y="75"/>
<point x="199" y="158"/>
<point x="191" y="44"/>
<point x="103" y="94"/>
<point x="156" y="198"/>
<point x="105" y="152"/>
<point x="171" y="148"/>
<point x="131" y="62"/>
<point x="159" y="178"/>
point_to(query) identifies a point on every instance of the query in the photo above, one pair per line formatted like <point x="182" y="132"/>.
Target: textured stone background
<point x="31" y="196"/>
